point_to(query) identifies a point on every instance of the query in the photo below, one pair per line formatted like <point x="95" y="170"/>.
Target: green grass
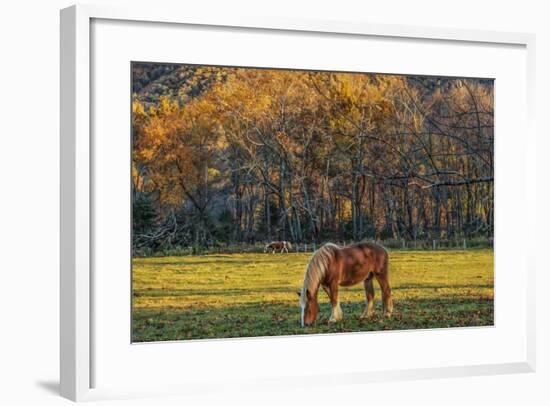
<point x="245" y="295"/>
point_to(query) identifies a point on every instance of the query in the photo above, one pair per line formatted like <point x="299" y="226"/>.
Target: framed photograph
<point x="241" y="198"/>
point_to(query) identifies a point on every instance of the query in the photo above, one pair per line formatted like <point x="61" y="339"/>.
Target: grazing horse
<point x="332" y="266"/>
<point x="280" y="246"/>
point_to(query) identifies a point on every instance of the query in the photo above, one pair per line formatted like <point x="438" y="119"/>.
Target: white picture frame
<point x="77" y="325"/>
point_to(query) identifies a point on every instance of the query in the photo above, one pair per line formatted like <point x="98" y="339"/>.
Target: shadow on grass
<point x="212" y="260"/>
<point x="441" y="286"/>
<point x="272" y="319"/>
<point x="223" y="291"/>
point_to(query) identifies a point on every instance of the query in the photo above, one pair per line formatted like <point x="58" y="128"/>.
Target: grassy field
<point x="245" y="295"/>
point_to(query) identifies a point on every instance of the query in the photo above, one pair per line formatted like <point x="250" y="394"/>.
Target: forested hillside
<point x="151" y="81"/>
<point x="243" y="155"/>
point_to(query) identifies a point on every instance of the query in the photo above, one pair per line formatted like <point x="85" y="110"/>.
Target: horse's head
<point x="315" y="273"/>
<point x="309" y="306"/>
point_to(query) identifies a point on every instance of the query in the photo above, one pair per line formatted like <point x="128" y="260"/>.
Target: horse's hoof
<point x="365" y="316"/>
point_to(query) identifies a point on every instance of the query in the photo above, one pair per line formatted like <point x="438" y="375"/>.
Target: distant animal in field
<point x="278" y="246"/>
<point x="332" y="266"/>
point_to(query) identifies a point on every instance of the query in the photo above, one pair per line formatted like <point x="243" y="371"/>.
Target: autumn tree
<point x="235" y="154"/>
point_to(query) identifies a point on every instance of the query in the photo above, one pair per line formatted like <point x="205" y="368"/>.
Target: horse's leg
<point x="369" y="292"/>
<point x="336" y="314"/>
<point x="386" y="293"/>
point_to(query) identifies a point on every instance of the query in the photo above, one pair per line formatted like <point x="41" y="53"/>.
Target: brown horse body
<point x="331" y="267"/>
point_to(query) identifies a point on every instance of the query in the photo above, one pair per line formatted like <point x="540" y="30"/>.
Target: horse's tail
<point x="381" y="256"/>
<point x="386" y="262"/>
<point x="385" y="259"/>
<point x="318" y="266"/>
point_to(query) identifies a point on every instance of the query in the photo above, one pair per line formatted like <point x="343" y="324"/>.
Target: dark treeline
<point x="224" y="155"/>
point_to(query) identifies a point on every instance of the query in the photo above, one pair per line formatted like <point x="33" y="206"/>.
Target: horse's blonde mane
<point x="317" y="268"/>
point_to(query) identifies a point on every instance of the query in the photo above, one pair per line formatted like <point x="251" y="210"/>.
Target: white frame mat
<point x="77" y="358"/>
